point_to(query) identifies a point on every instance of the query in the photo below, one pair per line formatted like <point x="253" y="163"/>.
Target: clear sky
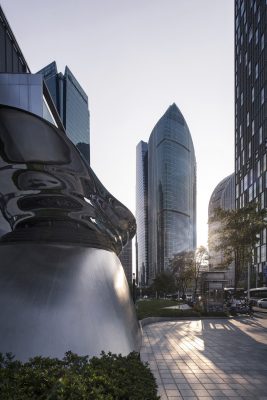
<point x="134" y="58"/>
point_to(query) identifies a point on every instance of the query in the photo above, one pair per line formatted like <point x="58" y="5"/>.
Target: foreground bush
<point x="77" y="378"/>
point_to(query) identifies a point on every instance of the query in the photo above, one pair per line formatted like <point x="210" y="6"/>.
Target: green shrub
<point x="215" y="314"/>
<point x="77" y="378"/>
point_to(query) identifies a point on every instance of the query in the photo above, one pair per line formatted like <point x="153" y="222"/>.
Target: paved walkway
<point x="208" y="359"/>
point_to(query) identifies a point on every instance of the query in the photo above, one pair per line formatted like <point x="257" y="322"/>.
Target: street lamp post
<point x="134" y="289"/>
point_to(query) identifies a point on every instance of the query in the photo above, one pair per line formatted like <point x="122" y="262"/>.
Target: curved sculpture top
<point x="49" y="193"/>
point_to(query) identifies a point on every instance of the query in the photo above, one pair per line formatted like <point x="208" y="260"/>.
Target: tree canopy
<point x="237" y="235"/>
<point x="182" y="265"/>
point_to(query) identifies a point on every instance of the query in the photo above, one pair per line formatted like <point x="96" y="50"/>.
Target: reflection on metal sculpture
<point x="61" y="287"/>
<point x="48" y="186"/>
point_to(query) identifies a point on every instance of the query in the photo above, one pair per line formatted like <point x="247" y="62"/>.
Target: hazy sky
<point x="134" y="58"/>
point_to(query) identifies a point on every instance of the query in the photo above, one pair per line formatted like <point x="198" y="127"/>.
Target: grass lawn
<point x="155" y="308"/>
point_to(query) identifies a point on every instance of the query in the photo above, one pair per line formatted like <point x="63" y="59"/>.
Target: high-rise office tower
<point x="12" y="59"/>
<point x="71" y="102"/>
<point x="141" y="213"/>
<point x="18" y="87"/>
<point x="223" y="197"/>
<point x="251" y="112"/>
<point x="126" y="261"/>
<point x="170" y="218"/>
<point x="171" y="190"/>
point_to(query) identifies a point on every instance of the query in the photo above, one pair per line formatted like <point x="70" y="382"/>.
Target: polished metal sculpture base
<point x="55" y="298"/>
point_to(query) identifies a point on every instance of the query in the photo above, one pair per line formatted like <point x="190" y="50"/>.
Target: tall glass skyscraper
<point x="166" y="173"/>
<point x="71" y="102"/>
<point x="171" y="190"/>
<point x="251" y="112"/>
<point x="126" y="261"/>
<point x="141" y="213"/>
<point x="12" y="59"/>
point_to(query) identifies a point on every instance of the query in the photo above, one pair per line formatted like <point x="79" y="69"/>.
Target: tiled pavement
<point x="208" y="359"/>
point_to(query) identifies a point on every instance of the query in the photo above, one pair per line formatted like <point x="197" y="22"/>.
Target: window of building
<point x="242" y="143"/>
<point x="248" y="118"/>
<point x="260" y="184"/>
<point x="245" y="182"/>
<point x="263" y="253"/>
<point x="249" y="67"/>
<point x="262" y="200"/>
<point x="258" y="16"/>
<point x="258" y="254"/>
<point x="260" y="135"/>
<point x="255" y="189"/>
<point x="256" y="71"/>
<point x="241" y="99"/>
<point x="240" y="130"/>
<point x="258" y="168"/>
<point x="249" y="149"/>
<point x="250" y="193"/>
<point x="253" y="127"/>
<point x="246" y="58"/>
<point x="252" y="94"/>
<point x="262" y="96"/>
<point x="264" y="235"/>
<point x="256" y="36"/>
<point x="251" y="176"/>
<point x="250" y="35"/>
<point x="262" y="41"/>
<point x="264" y="162"/>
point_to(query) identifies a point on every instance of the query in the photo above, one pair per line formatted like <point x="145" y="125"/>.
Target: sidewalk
<point x="208" y="359"/>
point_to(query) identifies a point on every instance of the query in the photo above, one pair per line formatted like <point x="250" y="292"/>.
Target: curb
<point x="152" y="320"/>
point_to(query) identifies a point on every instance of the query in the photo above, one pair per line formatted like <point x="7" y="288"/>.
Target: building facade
<point x="141" y="213"/>
<point x="223" y="197"/>
<point x="71" y="102"/>
<point x="12" y="59"/>
<point x="126" y="259"/>
<point x="171" y="191"/>
<point x="18" y="87"/>
<point x="251" y="112"/>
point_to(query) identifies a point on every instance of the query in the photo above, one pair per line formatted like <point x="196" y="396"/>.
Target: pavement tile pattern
<point x="208" y="359"/>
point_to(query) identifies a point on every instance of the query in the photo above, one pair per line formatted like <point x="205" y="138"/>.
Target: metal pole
<point x="248" y="281"/>
<point x="134" y="294"/>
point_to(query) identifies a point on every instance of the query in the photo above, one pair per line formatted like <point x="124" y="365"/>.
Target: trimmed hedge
<point x="108" y="377"/>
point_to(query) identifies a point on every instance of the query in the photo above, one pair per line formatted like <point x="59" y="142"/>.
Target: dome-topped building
<point x="223" y="196"/>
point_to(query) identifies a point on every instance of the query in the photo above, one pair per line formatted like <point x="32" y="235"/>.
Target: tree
<point x="164" y="283"/>
<point x="237" y="235"/>
<point x="182" y="267"/>
<point x="200" y="259"/>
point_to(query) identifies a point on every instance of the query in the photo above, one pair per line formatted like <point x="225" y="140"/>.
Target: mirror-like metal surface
<point x="61" y="285"/>
<point x="47" y="186"/>
<point x="56" y="298"/>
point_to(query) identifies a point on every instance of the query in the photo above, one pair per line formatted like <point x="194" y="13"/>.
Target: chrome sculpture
<point x="62" y="286"/>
